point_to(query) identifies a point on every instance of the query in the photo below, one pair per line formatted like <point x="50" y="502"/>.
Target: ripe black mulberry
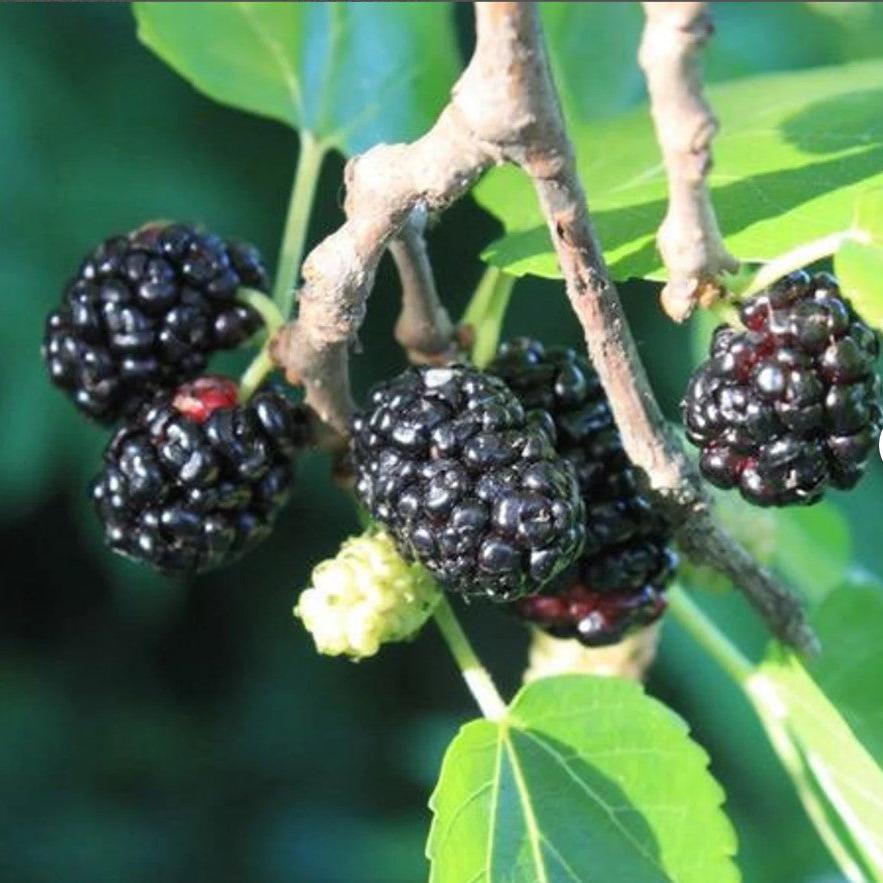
<point x="466" y="482"/>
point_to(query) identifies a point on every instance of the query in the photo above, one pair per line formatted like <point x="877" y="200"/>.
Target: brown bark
<point x="688" y="238"/>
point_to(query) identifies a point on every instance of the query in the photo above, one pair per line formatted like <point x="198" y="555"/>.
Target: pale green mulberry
<point x="365" y="596"/>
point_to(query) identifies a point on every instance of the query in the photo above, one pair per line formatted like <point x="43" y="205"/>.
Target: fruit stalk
<point x="484" y="315"/>
<point x="476" y="676"/>
<point x="262" y="364"/>
<point x="805" y="254"/>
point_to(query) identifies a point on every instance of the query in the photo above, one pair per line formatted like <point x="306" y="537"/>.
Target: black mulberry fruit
<point x="626" y="562"/>
<point x="596" y="619"/>
<point x="196" y="479"/>
<point x="144" y="312"/>
<point x="790" y="404"/>
<point x="466" y="482"/>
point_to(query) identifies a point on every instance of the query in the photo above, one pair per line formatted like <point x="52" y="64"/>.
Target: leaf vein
<point x="277" y="53"/>
<point x="530" y="819"/>
<point x="550" y="750"/>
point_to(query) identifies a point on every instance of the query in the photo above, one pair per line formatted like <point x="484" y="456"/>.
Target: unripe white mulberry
<point x="365" y="596"/>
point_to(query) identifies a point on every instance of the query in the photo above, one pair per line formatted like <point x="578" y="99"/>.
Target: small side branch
<point x="424" y="329"/>
<point x="544" y="151"/>
<point x="384" y="186"/>
<point x="688" y="239"/>
<point x="707" y="542"/>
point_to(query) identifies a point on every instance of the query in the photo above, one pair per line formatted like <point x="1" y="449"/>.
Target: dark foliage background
<point x="187" y="731"/>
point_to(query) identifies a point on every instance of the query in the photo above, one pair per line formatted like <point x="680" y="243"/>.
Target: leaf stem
<point x="486" y="311"/>
<point x="807" y="253"/>
<point x="477" y="678"/>
<point x="300" y="205"/>
<point x="801" y="777"/>
<point x="762" y="693"/>
<point x="262" y="364"/>
<point x="709" y="636"/>
<point x="259" y="367"/>
<point x="263" y="306"/>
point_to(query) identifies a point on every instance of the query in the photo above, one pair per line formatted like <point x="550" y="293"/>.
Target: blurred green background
<point x="187" y="731"/>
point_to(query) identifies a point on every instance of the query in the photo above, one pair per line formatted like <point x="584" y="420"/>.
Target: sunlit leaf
<point x="587" y="779"/>
<point x="787" y="170"/>
<point x="837" y="779"/>
<point x="352" y="74"/>
<point x="859" y="270"/>
<point x="849" y="625"/>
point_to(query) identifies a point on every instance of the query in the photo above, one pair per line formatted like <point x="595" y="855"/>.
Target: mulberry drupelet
<point x="790" y="405"/>
<point x="144" y="312"/>
<point x="618" y="581"/>
<point x="466" y="482"/>
<point x="196" y="479"/>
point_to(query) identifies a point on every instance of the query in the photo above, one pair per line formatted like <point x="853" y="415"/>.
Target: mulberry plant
<point x="539" y="483"/>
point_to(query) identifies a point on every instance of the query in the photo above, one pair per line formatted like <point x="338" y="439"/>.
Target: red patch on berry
<point x="200" y="398"/>
<point x="594" y="618"/>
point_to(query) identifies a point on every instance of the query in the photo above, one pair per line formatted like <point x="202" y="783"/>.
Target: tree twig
<point x="705" y="541"/>
<point x="688" y="239"/>
<point x="548" y="158"/>
<point x="424" y="329"/>
<point x="505" y="108"/>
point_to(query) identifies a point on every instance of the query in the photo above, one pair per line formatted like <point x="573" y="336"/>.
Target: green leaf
<point x="868" y="217"/>
<point x="787" y="170"/>
<point x="352" y="74"/>
<point x="849" y="625"/>
<point x="837" y="779"/>
<point x="586" y="779"/>
<point x="813" y="548"/>
<point x="614" y="81"/>
<point x="859" y="270"/>
<point x="786" y="37"/>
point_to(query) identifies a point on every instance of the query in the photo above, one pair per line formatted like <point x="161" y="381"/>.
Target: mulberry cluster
<point x="144" y="312"/>
<point x="790" y="405"/>
<point x="618" y="581"/>
<point x="196" y="479"/>
<point x="466" y="483"/>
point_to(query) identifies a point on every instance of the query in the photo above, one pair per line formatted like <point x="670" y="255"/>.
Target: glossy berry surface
<point x="626" y="560"/>
<point x="144" y="312"/>
<point x="596" y="619"/>
<point x="196" y="479"/>
<point x="790" y="405"/>
<point x="466" y="482"/>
